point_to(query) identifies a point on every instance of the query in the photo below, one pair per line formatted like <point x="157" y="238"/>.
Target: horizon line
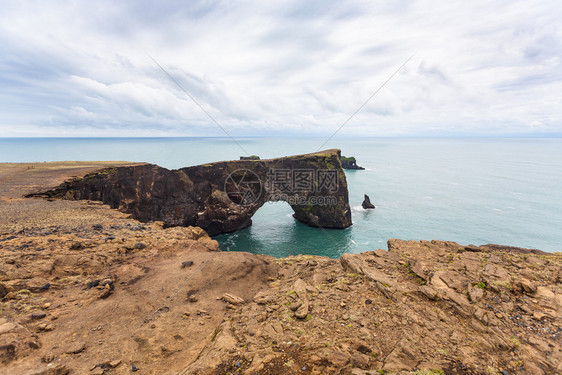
<point x="290" y="136"/>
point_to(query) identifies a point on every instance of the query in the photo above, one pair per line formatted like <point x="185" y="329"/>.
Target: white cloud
<point x="280" y="68"/>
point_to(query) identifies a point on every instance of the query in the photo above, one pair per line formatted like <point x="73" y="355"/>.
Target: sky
<point x="280" y="68"/>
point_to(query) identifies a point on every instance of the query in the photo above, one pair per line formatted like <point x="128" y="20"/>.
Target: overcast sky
<point x="83" y="68"/>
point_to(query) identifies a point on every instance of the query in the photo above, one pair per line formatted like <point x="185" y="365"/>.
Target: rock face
<point x="367" y="203"/>
<point x="350" y="163"/>
<point x="221" y="197"/>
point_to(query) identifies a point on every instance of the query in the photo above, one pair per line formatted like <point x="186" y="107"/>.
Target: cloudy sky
<point x="84" y="68"/>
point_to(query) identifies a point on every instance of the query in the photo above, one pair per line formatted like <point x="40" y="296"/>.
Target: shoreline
<point x="166" y="300"/>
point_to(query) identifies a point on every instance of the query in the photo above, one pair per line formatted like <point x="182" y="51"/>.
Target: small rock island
<point x="367" y="203"/>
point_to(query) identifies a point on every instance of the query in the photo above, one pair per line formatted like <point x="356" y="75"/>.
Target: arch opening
<point x="274" y="231"/>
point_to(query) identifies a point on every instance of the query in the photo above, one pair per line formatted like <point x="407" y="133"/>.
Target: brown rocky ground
<point x="86" y="290"/>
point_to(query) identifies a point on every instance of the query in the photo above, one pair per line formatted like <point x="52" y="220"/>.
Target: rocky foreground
<point x="93" y="291"/>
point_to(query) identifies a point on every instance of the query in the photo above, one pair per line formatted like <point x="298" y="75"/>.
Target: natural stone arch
<point x="199" y="195"/>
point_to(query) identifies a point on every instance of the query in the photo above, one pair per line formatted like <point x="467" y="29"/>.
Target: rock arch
<point x="215" y="196"/>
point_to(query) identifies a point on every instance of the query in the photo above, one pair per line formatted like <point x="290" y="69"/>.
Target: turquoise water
<point x="472" y="191"/>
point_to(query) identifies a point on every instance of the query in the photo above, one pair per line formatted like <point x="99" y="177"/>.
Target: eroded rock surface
<point x="420" y="305"/>
<point x="221" y="197"/>
<point x="420" y="308"/>
<point x="81" y="296"/>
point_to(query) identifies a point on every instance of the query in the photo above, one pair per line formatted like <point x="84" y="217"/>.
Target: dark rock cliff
<point x="221" y="197"/>
<point x="350" y="163"/>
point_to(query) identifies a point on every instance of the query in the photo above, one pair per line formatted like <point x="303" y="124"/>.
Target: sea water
<point x="468" y="190"/>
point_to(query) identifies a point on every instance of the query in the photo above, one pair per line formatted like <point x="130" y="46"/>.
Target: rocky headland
<point x="219" y="197"/>
<point x="86" y="289"/>
<point x="349" y="162"/>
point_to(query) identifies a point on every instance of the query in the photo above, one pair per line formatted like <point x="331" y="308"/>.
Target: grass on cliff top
<point x="54" y="165"/>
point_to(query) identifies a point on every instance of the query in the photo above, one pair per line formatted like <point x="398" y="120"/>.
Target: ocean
<point x="468" y="190"/>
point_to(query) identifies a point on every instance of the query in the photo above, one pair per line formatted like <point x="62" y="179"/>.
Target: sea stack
<point x="367" y="203"/>
<point x="350" y="163"/>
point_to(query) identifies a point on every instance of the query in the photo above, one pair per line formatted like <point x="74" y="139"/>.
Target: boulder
<point x="263" y="298"/>
<point x="3" y="290"/>
<point x="75" y="348"/>
<point x="360" y="360"/>
<point x="525" y="286"/>
<point x="235" y="300"/>
<point x="302" y="311"/>
<point x="338" y="359"/>
<point x="7" y="327"/>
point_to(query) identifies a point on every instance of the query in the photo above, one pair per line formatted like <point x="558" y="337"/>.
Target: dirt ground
<point x="88" y="290"/>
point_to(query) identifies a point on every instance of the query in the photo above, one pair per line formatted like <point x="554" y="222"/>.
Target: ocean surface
<point x="472" y="191"/>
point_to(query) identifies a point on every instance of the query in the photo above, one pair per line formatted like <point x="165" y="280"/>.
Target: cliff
<point x="220" y="197"/>
<point x="120" y="295"/>
<point x="85" y="289"/>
